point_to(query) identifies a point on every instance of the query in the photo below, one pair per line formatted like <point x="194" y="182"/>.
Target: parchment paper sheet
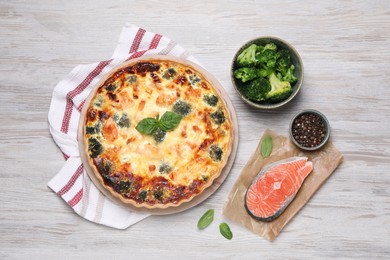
<point x="325" y="161"/>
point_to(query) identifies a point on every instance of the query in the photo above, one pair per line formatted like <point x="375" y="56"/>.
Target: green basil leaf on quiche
<point x="169" y="121"/>
<point x="147" y="125"/>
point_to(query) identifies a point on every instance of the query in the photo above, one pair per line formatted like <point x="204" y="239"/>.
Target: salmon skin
<point x="275" y="187"/>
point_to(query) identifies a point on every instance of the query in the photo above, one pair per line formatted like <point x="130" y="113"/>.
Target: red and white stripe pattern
<point x="72" y="183"/>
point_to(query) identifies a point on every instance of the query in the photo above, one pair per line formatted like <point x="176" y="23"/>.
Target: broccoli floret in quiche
<point x="211" y="100"/>
<point x="215" y="152"/>
<point x="164" y="168"/>
<point x="169" y="73"/>
<point x="159" y="135"/>
<point x="143" y="194"/>
<point x="95" y="129"/>
<point x="124" y="121"/>
<point x="132" y="79"/>
<point x="218" y="116"/>
<point x="98" y="101"/>
<point x="95" y="147"/>
<point x="111" y="87"/>
<point x="158" y="194"/>
<point x="193" y="79"/>
<point x="182" y="108"/>
<point x="123" y="187"/>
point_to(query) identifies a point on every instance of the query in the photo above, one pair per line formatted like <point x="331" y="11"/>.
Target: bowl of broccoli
<point x="267" y="72"/>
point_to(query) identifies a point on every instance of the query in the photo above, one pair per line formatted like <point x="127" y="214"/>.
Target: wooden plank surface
<point x="345" y="49"/>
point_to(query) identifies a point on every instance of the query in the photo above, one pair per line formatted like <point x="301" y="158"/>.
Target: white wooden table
<point x="346" y="54"/>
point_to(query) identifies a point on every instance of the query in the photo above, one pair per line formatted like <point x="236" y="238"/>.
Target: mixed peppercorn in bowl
<point x="309" y="130"/>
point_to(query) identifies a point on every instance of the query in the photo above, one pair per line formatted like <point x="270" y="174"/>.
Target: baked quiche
<point x="156" y="132"/>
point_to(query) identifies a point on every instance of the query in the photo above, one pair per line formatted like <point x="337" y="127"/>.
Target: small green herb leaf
<point x="206" y="219"/>
<point x="266" y="146"/>
<point x="169" y="121"/>
<point x="225" y="231"/>
<point x="147" y="125"/>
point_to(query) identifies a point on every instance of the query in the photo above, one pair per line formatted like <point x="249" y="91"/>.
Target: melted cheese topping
<point x="137" y="165"/>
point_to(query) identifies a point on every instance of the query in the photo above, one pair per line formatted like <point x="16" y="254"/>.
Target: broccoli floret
<point x="111" y="87"/>
<point x="193" y="80"/>
<point x="169" y="73"/>
<point x="124" y="121"/>
<point x="218" y="116"/>
<point x="158" y="194"/>
<point x="159" y="135"/>
<point x="289" y="75"/>
<point x="143" y="194"/>
<point x="270" y="46"/>
<point x="182" y="108"/>
<point x="266" y="73"/>
<point x="211" y="100"/>
<point x="164" y="168"/>
<point x="256" y="90"/>
<point x="132" y="79"/>
<point x="246" y="74"/>
<point x="215" y="152"/>
<point x="280" y="90"/>
<point x="268" y="58"/>
<point x="248" y="56"/>
<point x="267" y="55"/>
<point x="99" y="101"/>
<point x="283" y="62"/>
<point x="95" y="129"/>
<point x="95" y="147"/>
<point x="123" y="187"/>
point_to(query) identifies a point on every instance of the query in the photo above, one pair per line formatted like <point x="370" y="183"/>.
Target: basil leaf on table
<point x="225" y="231"/>
<point x="147" y="125"/>
<point x="169" y="121"/>
<point x="206" y="219"/>
<point x="266" y="146"/>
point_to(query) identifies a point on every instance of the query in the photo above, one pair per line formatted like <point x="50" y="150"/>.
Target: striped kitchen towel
<point x="72" y="183"/>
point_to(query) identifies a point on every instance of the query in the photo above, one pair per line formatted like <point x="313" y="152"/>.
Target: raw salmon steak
<point x="275" y="187"/>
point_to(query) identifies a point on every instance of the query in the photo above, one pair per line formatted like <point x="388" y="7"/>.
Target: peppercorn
<point x="309" y="130"/>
